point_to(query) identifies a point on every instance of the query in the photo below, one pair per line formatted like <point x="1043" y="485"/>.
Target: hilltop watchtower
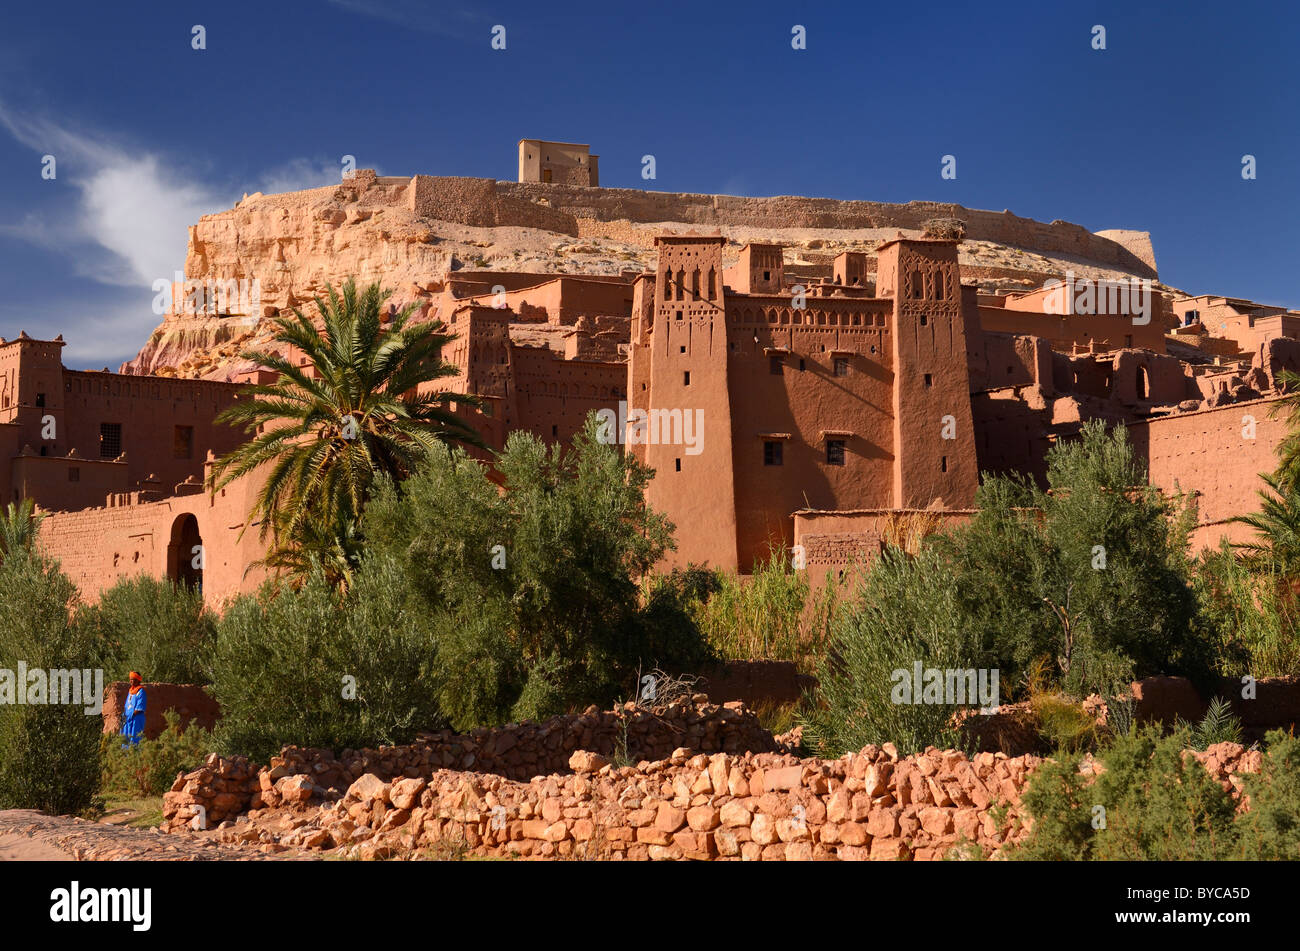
<point x="563" y="163"/>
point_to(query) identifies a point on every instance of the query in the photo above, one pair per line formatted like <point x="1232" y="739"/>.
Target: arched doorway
<point x="1143" y="383"/>
<point x="185" y="554"/>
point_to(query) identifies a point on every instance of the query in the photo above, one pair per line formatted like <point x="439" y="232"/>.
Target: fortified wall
<point x="1134" y="254"/>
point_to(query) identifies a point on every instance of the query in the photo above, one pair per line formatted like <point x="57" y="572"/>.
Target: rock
<point x="762" y="829"/>
<point x="788" y="778"/>
<point x="734" y="814"/>
<point x="295" y="789"/>
<point x="669" y="818"/>
<point x="703" y="818"/>
<point x="405" y="793"/>
<point x="368" y="787"/>
<point x="584" y="761"/>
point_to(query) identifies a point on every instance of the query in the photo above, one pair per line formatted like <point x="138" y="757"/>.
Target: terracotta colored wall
<point x="97" y="547"/>
<point x="635" y="205"/>
<point x="1083" y="330"/>
<point x="1206" y="452"/>
<point x="805" y="401"/>
<point x="564" y="300"/>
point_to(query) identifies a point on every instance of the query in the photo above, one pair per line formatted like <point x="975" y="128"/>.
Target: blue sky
<point x="149" y="133"/>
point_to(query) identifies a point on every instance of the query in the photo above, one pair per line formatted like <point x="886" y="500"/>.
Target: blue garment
<point x="133" y="717"/>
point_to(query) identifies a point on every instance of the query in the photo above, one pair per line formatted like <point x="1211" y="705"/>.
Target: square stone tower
<point x="934" y="437"/>
<point x="561" y="163"/>
<point x="678" y="371"/>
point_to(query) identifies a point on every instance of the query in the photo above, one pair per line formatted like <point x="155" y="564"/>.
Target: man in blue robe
<point x="133" y="714"/>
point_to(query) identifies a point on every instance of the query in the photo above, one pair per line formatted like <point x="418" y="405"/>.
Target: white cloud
<point x="131" y="208"/>
<point x="134" y="209"/>
<point x="124" y="224"/>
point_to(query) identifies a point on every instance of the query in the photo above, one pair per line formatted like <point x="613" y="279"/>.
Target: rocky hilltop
<point x="411" y="233"/>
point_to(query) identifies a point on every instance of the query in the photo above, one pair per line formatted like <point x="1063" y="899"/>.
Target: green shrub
<point x="49" y="752"/>
<point x="1250" y="614"/>
<point x="1271" y="828"/>
<point x="1092" y="573"/>
<point x="314" y="668"/>
<point x="155" y="627"/>
<point x="767" y="614"/>
<point x="1160" y="804"/>
<point x="532" y="594"/>
<point x="906" y="612"/>
<point x="149" y="768"/>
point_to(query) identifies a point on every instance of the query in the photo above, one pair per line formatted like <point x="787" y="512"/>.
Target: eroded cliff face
<point x="203" y="347"/>
<point x="411" y="233"/>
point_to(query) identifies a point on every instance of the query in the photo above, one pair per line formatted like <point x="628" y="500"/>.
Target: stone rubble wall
<point x="227" y="787"/>
<point x="755" y="807"/>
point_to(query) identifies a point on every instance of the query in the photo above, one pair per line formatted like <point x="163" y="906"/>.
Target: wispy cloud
<point x="134" y="206"/>
<point x="125" y="223"/>
<point x="131" y="207"/>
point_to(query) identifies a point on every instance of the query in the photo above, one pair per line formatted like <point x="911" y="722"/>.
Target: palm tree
<point x="1277" y="524"/>
<point x="19" y="528"/>
<point x="1288" y="450"/>
<point x="330" y="544"/>
<point x="325" y="435"/>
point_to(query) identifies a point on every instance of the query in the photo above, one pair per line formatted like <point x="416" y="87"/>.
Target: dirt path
<point x="28" y="835"/>
<point x="19" y="848"/>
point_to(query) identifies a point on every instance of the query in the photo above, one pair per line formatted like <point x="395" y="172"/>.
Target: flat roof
<point x="576" y="145"/>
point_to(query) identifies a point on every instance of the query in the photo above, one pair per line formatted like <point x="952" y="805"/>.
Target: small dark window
<point x="835" y="452"/>
<point x="943" y="463"/>
<point x="555" y="431"/>
<point x="40" y="399"/>
<point x="767" y="275"/>
<point x="801" y="365"/>
<point x="686" y="378"/>
<point x="928" y="380"/>
<point x="924" y="320"/>
<point x="683" y="349"/>
<point x="74" y="474"/>
<point x="679" y="315"/>
<point x="183" y="442"/>
<point x="772" y="452"/>
<point x="679" y="465"/>
<point x="110" y="440"/>
<point x="841" y="366"/>
<point x="774" y="365"/>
